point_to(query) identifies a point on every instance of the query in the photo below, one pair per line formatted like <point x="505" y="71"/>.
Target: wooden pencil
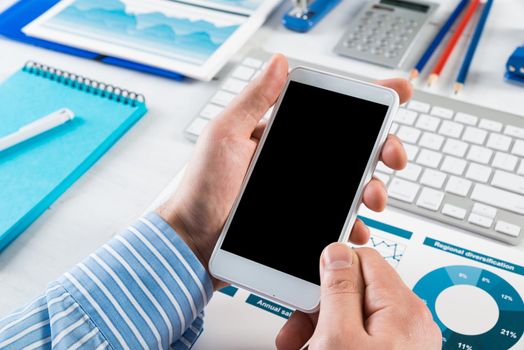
<point x="437" y="40"/>
<point x="452" y="42"/>
<point x="463" y="73"/>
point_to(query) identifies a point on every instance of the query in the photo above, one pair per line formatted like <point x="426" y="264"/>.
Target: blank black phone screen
<point x="301" y="189"/>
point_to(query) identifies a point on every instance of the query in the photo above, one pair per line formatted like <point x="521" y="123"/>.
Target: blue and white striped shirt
<point x="144" y="289"/>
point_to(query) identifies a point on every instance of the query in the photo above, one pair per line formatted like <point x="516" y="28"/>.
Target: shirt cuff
<point x="142" y="289"/>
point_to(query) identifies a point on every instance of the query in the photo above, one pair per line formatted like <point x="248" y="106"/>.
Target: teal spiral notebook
<point x="33" y="174"/>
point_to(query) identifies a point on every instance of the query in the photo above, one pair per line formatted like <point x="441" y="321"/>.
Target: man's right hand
<point x="364" y="305"/>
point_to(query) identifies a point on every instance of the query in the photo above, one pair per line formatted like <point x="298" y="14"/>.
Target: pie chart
<point x="474" y="308"/>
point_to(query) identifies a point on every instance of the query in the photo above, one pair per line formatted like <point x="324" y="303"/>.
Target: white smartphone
<point x="304" y="185"/>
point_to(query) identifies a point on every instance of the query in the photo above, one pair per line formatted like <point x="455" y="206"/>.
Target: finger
<point x="341" y="292"/>
<point x="359" y="233"/>
<point x="403" y="87"/>
<point x="296" y="331"/>
<point x="393" y="153"/>
<point x="375" y="195"/>
<point x="382" y="283"/>
<point x="245" y="112"/>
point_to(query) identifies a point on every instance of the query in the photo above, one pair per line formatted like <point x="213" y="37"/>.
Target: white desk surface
<point x="120" y="186"/>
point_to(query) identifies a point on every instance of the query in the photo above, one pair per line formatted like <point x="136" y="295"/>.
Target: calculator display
<point x="406" y="5"/>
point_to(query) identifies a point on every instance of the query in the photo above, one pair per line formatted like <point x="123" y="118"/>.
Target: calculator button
<point x="391" y="54"/>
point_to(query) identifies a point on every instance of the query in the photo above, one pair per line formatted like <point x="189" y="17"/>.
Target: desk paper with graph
<point x="191" y="37"/>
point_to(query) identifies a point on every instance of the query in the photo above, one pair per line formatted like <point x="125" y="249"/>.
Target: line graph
<point x="390" y="250"/>
<point x="192" y="34"/>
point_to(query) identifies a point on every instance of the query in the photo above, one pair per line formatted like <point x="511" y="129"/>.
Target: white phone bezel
<point x="266" y="281"/>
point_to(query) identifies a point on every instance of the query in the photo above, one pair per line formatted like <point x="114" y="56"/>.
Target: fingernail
<point x="337" y="256"/>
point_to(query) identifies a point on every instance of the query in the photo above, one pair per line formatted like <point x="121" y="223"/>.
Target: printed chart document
<point x="192" y="37"/>
<point x="473" y="286"/>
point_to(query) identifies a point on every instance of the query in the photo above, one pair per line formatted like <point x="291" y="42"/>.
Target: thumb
<point x="245" y="112"/>
<point x="342" y="289"/>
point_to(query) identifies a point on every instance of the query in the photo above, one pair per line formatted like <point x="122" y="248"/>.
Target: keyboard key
<point x="466" y="118"/>
<point x="442" y="112"/>
<point x="480" y="220"/>
<point x="507" y="228"/>
<point x="243" y="73"/>
<point x="514" y="131"/>
<point x="427" y="122"/>
<point x="403" y="190"/>
<point x="210" y="111"/>
<point x="455" y="147"/>
<point x="197" y="126"/>
<point x="382" y="177"/>
<point x="429" y="158"/>
<point x="223" y="98"/>
<point x="479" y="154"/>
<point x="432" y="141"/>
<point x="410" y="172"/>
<point x="430" y="199"/>
<point x="252" y="62"/>
<point x="484" y="210"/>
<point x="383" y="168"/>
<point x="474" y="135"/>
<point x="234" y="85"/>
<point x="453" y="165"/>
<point x="453" y="211"/>
<point x="504" y="161"/>
<point x="411" y="151"/>
<point x="418" y="106"/>
<point x="393" y="129"/>
<point x="451" y="129"/>
<point x="498" y="198"/>
<point x="478" y="172"/>
<point x="520" y="170"/>
<point x="508" y="181"/>
<point x="499" y="142"/>
<point x="408" y="134"/>
<point x="405" y="116"/>
<point x="490" y="125"/>
<point x="518" y="148"/>
<point x="458" y="186"/>
<point x="433" y="178"/>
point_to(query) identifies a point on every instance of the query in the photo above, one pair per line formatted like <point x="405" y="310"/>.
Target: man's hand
<point x="200" y="207"/>
<point x="364" y="305"/>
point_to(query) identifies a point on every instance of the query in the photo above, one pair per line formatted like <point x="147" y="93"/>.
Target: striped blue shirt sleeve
<point x="144" y="289"/>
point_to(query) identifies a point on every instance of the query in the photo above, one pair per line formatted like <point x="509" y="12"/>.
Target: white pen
<point x="36" y="128"/>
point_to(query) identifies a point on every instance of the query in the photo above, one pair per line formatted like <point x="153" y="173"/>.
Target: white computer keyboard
<point x="465" y="167"/>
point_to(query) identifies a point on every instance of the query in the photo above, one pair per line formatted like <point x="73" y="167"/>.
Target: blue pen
<point x="463" y="73"/>
<point x="436" y="41"/>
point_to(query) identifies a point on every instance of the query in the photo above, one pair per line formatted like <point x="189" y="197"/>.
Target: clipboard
<point x="24" y="12"/>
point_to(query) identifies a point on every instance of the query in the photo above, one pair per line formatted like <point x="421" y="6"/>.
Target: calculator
<point x="384" y="31"/>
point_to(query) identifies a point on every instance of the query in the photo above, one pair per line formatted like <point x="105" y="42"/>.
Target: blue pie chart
<point x="509" y="326"/>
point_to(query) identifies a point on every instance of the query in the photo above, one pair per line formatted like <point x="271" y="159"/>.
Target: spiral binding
<point x="82" y="83"/>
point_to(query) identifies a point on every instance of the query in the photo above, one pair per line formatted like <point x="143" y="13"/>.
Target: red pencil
<point x="452" y="42"/>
